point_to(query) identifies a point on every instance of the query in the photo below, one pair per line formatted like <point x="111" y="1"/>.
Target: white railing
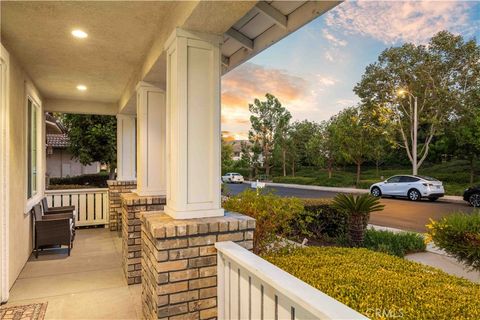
<point x="91" y="204"/>
<point x="250" y="287"/>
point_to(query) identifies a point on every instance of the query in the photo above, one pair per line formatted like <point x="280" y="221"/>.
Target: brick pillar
<point x="115" y="188"/>
<point x="179" y="263"/>
<point x="133" y="207"/>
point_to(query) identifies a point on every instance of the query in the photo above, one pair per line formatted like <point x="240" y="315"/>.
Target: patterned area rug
<point x="35" y="311"/>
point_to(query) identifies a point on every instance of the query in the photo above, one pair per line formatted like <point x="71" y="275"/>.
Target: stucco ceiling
<point x="38" y="34"/>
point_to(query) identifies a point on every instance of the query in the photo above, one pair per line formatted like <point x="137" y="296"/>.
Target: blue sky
<point x="314" y="70"/>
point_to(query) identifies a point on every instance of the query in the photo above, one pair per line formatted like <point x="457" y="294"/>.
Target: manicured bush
<point x="98" y="180"/>
<point x="395" y="243"/>
<point x="459" y="235"/>
<point x="382" y="286"/>
<point x="273" y="214"/>
<point x="319" y="219"/>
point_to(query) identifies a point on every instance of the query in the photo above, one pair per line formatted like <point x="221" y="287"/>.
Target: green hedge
<point x="98" y="180"/>
<point x="395" y="243"/>
<point x="319" y="219"/>
<point x="273" y="215"/>
<point x="382" y="286"/>
<point x="459" y="235"/>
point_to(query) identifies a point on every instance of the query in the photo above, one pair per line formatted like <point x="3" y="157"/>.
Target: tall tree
<point x="321" y="147"/>
<point x="425" y="74"/>
<point x="353" y="135"/>
<point x="227" y="154"/>
<point x="93" y="138"/>
<point x="267" y="119"/>
<point x="250" y="154"/>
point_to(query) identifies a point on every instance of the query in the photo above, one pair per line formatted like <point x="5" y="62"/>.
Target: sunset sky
<point x="314" y="70"/>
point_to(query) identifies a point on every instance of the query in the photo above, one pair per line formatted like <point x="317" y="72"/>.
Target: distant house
<point x="237" y="150"/>
<point x="60" y="163"/>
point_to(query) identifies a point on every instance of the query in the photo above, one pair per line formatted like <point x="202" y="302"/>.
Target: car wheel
<point x="474" y="200"/>
<point x="414" y="195"/>
<point x="376" y="192"/>
<point x="433" y="199"/>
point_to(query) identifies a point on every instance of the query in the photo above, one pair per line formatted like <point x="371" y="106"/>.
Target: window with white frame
<point x="32" y="148"/>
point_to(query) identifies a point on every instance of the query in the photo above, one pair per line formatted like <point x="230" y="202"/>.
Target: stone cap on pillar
<point x="121" y="182"/>
<point x="131" y="199"/>
<point x="160" y="225"/>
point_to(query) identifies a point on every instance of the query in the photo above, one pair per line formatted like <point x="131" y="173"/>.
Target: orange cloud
<point x="249" y="81"/>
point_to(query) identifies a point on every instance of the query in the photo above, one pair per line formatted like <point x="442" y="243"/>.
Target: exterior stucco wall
<point x="20" y="235"/>
<point x="60" y="164"/>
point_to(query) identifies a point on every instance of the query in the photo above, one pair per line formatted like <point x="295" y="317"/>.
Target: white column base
<point x="193" y="214"/>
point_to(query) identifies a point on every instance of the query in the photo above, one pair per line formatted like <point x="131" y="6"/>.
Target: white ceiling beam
<point x="240" y="38"/>
<point x="272" y="13"/>
<point x="301" y="16"/>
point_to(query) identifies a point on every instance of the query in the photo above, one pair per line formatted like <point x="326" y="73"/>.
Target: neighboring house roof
<point x="53" y="125"/>
<point x="58" y="140"/>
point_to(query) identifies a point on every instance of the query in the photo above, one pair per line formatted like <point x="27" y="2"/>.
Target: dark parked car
<point x="472" y="196"/>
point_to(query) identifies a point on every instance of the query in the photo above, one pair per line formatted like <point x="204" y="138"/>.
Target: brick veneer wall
<point x="179" y="263"/>
<point x="115" y="188"/>
<point x="132" y="207"/>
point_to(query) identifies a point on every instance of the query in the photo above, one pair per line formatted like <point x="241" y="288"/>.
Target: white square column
<point x="151" y="141"/>
<point x="193" y="125"/>
<point x="126" y="148"/>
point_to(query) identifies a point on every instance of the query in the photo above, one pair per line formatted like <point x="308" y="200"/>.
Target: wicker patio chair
<point x="53" y="229"/>
<point x="60" y="210"/>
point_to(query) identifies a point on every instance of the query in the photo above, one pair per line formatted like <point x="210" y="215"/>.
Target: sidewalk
<point x="448" y="199"/>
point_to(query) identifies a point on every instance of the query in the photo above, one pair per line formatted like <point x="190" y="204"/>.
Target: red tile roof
<point x="57" y="140"/>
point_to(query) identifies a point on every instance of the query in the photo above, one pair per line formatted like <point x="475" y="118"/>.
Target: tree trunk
<point x="284" y="155"/>
<point x="330" y="169"/>
<point x="358" y="173"/>
<point x="356" y="230"/>
<point x="472" y="170"/>
<point x="293" y="168"/>
<point x="377" y="165"/>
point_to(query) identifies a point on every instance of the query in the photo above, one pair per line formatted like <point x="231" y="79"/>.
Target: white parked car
<point x="412" y="187"/>
<point x="232" y="177"/>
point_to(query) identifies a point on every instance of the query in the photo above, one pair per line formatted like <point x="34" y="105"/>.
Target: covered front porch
<point x="157" y="67"/>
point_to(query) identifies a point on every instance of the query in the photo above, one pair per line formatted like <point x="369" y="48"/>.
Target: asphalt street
<point x="398" y="213"/>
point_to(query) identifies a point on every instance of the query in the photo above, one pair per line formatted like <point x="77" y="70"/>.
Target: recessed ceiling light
<point x="81" y="87"/>
<point x="77" y="33"/>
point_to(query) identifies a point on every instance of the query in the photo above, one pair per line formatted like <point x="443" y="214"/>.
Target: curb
<point x="445" y="199"/>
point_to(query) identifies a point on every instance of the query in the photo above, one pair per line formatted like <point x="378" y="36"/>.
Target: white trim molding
<point x="4" y="175"/>
<point x="32" y="94"/>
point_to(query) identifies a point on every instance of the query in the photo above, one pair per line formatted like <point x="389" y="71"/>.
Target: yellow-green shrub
<point x="377" y="284"/>
<point x="273" y="215"/>
<point x="459" y="235"/>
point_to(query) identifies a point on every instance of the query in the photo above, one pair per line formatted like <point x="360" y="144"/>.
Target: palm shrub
<point x="358" y="209"/>
<point x="459" y="235"/>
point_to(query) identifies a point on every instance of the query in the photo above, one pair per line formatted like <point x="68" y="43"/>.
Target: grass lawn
<point x="455" y="176"/>
<point x="382" y="286"/>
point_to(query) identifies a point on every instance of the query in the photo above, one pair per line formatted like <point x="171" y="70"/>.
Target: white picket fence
<point x="91" y="204"/>
<point x="250" y="287"/>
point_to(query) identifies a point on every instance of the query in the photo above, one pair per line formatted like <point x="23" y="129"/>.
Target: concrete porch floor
<point x="90" y="284"/>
